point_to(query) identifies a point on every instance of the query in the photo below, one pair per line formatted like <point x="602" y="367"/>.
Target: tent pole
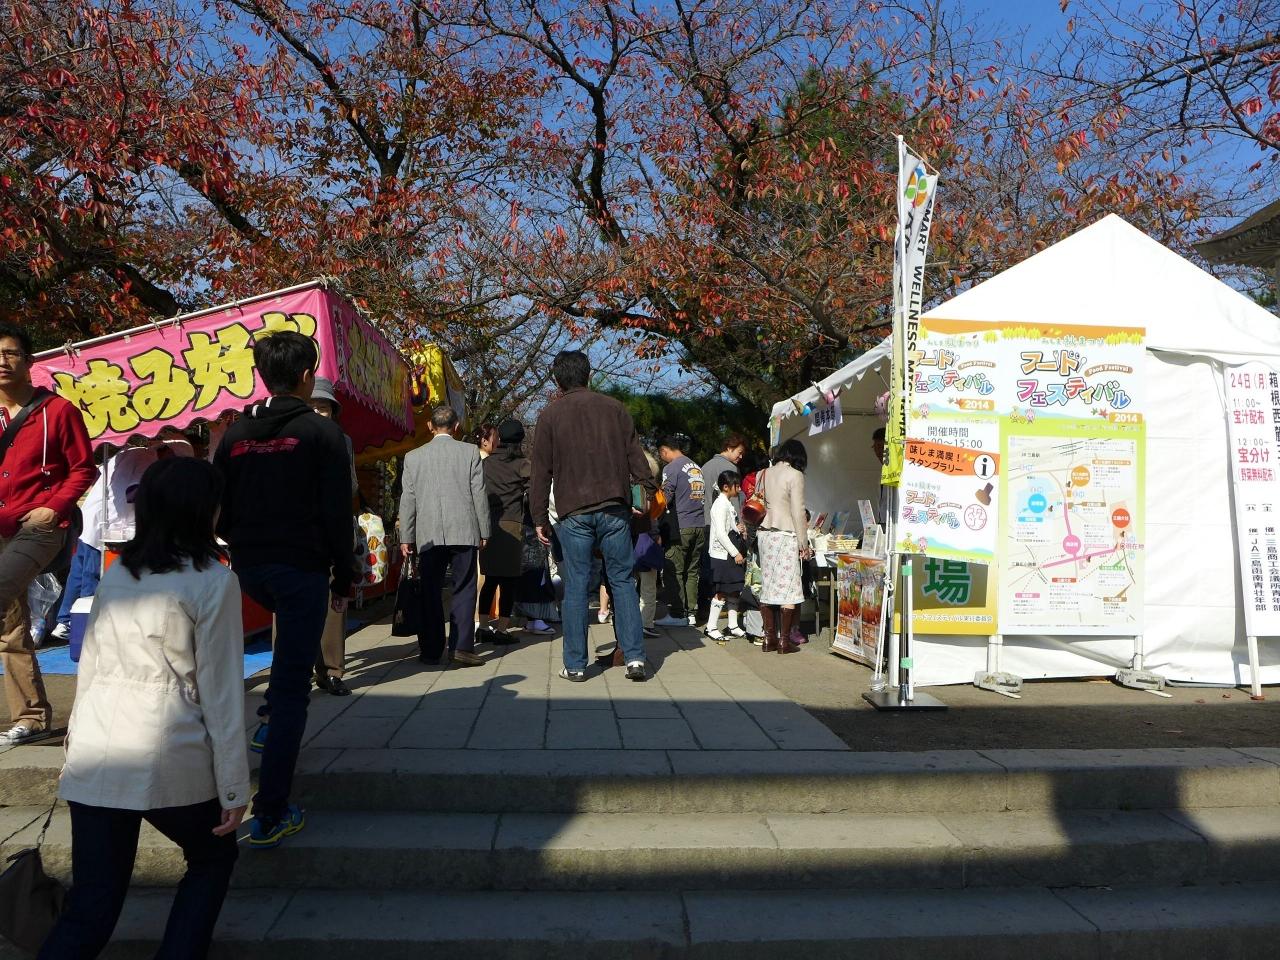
<point x="104" y="524"/>
<point x="1255" y="682"/>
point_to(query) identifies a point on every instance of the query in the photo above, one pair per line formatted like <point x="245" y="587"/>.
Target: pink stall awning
<point x="199" y="366"/>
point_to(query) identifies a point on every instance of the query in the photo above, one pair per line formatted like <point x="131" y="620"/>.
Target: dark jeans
<point x="104" y="843"/>
<point x="82" y="579"/>
<point x="608" y="531"/>
<point x="300" y="600"/>
<point x="684" y="560"/>
<point x="462" y="611"/>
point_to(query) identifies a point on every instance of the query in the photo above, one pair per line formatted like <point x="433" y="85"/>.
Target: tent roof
<point x="1112" y="273"/>
<point x="843" y="378"/>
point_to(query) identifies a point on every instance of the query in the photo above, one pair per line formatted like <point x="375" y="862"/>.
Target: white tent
<point x="1109" y="272"/>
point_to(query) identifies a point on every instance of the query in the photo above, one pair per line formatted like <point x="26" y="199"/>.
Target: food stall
<point x="196" y="370"/>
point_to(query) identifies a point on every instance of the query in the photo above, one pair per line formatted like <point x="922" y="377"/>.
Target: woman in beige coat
<point x="783" y="543"/>
<point x="157" y="731"/>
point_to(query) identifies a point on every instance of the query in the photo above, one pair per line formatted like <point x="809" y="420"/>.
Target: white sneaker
<point x="669" y="621"/>
<point x="693" y="621"/>
<point x="61" y="632"/>
<point x="17" y="734"/>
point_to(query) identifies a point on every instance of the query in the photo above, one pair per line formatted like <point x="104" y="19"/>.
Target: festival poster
<point x="952" y="597"/>
<point x="1253" y="424"/>
<point x="859" y="605"/>
<point x="1066" y="402"/>
<point x="948" y="495"/>
<point x="1072" y="558"/>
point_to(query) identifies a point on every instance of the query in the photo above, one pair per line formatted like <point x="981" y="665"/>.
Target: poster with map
<point x="1066" y="402"/>
<point x="1072" y="561"/>
<point x="1074" y="444"/>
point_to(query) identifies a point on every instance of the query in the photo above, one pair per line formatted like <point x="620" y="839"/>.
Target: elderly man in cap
<point x="333" y="642"/>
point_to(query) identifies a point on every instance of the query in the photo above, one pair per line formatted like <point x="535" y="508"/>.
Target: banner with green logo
<point x="917" y="185"/>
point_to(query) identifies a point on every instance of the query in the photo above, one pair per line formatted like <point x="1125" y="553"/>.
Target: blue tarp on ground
<point x="257" y="656"/>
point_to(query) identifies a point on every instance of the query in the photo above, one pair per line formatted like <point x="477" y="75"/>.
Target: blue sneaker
<point x="258" y="742"/>
<point x="263" y="835"/>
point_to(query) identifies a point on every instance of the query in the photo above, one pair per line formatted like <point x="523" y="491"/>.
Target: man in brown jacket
<point x="586" y="443"/>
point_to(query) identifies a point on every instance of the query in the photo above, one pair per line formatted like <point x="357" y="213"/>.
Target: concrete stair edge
<point x="388" y="851"/>
<point x="673" y="781"/>
<point x="1230" y="921"/>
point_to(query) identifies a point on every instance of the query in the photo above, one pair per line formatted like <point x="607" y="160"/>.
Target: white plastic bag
<point x="42" y="597"/>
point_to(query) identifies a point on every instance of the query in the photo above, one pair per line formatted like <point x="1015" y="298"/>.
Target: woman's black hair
<point x="728" y="478"/>
<point x="793" y="452"/>
<point x="176" y="505"/>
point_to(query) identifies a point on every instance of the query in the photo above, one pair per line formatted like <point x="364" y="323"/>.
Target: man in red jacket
<point x="45" y="467"/>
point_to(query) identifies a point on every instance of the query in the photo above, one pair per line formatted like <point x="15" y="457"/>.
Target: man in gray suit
<point x="444" y="515"/>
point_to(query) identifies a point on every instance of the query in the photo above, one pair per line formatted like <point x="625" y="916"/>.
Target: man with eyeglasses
<point x="46" y="464"/>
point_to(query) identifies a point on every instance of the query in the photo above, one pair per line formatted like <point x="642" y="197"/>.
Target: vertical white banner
<point x="917" y="185"/>
<point x="1253" y="423"/>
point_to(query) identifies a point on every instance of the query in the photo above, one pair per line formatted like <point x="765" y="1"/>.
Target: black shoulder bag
<point x="30" y="900"/>
<point x="11" y="431"/>
<point x="75" y="522"/>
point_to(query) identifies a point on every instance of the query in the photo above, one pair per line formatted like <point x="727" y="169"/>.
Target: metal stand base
<point x="896" y="700"/>
<point x="1142" y="680"/>
<point x="1005" y="684"/>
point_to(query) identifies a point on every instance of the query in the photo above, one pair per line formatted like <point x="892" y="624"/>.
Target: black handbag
<point x="30" y="900"/>
<point x="408" y="615"/>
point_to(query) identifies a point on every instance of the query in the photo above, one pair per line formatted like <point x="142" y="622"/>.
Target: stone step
<point x="744" y="781"/>
<point x="584" y="852"/>
<point x="1153" y="923"/>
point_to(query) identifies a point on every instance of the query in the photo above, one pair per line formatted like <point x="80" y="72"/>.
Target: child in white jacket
<point x="728" y="561"/>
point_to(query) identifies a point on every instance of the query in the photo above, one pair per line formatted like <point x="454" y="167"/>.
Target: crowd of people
<point x="156" y="732"/>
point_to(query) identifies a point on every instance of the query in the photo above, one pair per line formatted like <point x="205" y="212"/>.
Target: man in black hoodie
<point x="286" y="517"/>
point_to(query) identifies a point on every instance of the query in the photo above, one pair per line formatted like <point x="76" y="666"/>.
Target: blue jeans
<point x="608" y="531"/>
<point x="82" y="579"/>
<point x="300" y="600"/>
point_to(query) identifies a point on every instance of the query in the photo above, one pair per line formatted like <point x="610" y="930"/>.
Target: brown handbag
<point x="30" y="899"/>
<point x="754" y="510"/>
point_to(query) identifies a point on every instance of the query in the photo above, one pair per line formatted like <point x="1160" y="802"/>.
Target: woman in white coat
<point x="157" y="731"/>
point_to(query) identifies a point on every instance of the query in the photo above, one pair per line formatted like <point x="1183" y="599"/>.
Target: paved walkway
<point x="698" y="697"/>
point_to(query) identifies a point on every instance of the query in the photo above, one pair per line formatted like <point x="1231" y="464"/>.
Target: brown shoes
<point x="465" y="658"/>
<point x="769" y="614"/>
<point x="785" y="643"/>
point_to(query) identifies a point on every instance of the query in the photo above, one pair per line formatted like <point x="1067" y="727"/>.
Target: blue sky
<point x="1040" y="19"/>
